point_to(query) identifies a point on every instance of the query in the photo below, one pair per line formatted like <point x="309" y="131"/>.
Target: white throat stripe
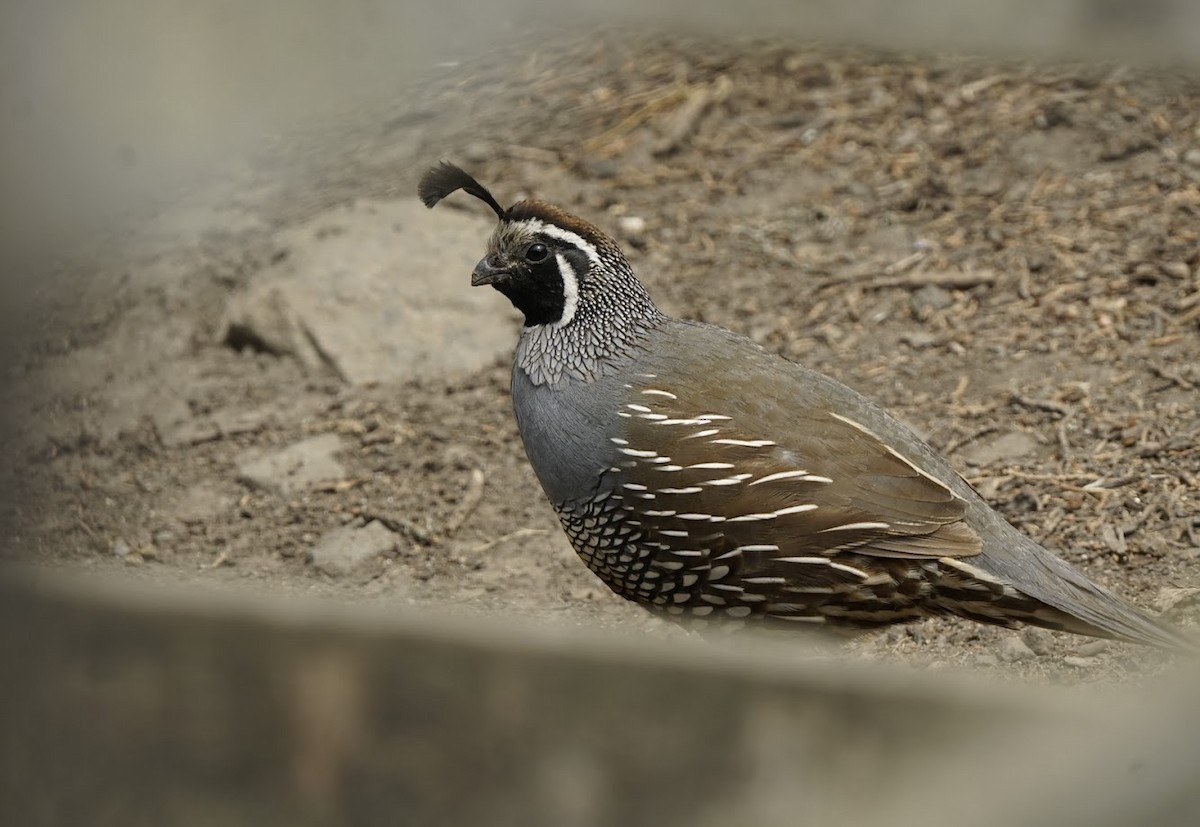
<point x="570" y="290"/>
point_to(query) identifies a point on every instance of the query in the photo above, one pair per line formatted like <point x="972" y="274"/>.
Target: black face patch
<point x="537" y="290"/>
<point x="544" y="265"/>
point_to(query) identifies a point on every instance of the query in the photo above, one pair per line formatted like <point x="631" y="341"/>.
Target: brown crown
<point x="551" y="214"/>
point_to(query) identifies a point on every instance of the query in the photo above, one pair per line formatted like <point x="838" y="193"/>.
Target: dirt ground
<point x="1005" y="255"/>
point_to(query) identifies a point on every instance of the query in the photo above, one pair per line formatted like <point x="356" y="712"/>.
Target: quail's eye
<point x="536" y="252"/>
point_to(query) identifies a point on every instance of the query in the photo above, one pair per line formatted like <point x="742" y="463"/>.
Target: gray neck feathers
<point x="613" y="318"/>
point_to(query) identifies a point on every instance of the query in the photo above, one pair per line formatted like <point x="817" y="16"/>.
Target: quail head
<point x="704" y="477"/>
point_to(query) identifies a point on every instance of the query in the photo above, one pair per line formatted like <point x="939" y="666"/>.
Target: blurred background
<point x="271" y="549"/>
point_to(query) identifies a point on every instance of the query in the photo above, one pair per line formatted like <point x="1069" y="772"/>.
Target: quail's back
<point x="702" y="476"/>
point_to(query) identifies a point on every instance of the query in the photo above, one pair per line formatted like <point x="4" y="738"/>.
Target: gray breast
<point x="567" y="431"/>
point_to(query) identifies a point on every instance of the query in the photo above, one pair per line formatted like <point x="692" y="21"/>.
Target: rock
<point x="348" y="548"/>
<point x="632" y="228"/>
<point x="1091" y="648"/>
<point x="987" y="660"/>
<point x="262" y="319"/>
<point x="1177" y="269"/>
<point x="1038" y="640"/>
<point x="478" y="152"/>
<point x="199" y="503"/>
<point x="1013" y="649"/>
<point x="189" y="432"/>
<point x="294" y="468"/>
<point x="918" y="339"/>
<point x="377" y="292"/>
<point x="223" y="423"/>
<point x="929" y="299"/>
<point x="121" y="548"/>
<point x="235" y="421"/>
<point x="1079" y="663"/>
<point x="1001" y="449"/>
<point x="1172" y="600"/>
<point x="601" y="168"/>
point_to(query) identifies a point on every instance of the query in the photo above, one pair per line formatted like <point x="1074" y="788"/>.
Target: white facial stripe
<point x="574" y="239"/>
<point x="570" y="290"/>
<point x="569" y="276"/>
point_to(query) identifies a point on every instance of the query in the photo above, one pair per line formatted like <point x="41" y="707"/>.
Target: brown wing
<point x="707" y="479"/>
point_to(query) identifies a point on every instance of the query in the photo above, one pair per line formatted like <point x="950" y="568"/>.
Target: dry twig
<point x="512" y="535"/>
<point x="470" y="502"/>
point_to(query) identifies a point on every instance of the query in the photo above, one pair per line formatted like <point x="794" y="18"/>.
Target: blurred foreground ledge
<point x="1155" y="32"/>
<point x="128" y="705"/>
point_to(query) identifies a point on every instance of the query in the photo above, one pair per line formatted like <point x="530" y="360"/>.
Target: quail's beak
<point x="486" y="273"/>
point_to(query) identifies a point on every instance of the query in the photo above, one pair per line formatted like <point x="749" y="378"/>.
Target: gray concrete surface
<point x="136" y="706"/>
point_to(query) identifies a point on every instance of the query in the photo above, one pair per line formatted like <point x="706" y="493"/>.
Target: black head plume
<point x="446" y="178"/>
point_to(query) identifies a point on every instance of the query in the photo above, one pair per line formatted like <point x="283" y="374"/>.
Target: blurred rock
<point x="1177" y="600"/>
<point x="377" y="291"/>
<point x="1091" y="648"/>
<point x="294" y="468"/>
<point x="348" y="548"/>
<point x="188" y="432"/>
<point x="632" y="227"/>
<point x="930" y="299"/>
<point x="200" y="503"/>
<point x="1000" y="449"/>
<point x="1177" y="269"/>
<point x="1173" y="598"/>
<point x="262" y="319"/>
<point x="1038" y="640"/>
<point x="193" y="430"/>
<point x="1014" y="649"/>
<point x="918" y="339"/>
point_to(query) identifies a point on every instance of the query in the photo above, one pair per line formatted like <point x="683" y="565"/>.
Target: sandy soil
<point x="1006" y="255"/>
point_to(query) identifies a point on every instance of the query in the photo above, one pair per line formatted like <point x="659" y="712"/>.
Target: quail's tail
<point x="1094" y="618"/>
<point x="1099" y="613"/>
<point x="1053" y="595"/>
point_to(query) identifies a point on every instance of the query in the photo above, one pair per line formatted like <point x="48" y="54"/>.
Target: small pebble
<point x="930" y="299"/>
<point x="918" y="339"/>
<point x="599" y="168"/>
<point x="1036" y="639"/>
<point x="1177" y="269"/>
<point x="121" y="548"/>
<point x="477" y="152"/>
<point x="632" y="227"/>
<point x="1078" y="663"/>
<point x="1014" y="649"/>
<point x="1091" y="648"/>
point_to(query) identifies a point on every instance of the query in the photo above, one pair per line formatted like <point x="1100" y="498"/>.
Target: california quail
<point x="702" y="476"/>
